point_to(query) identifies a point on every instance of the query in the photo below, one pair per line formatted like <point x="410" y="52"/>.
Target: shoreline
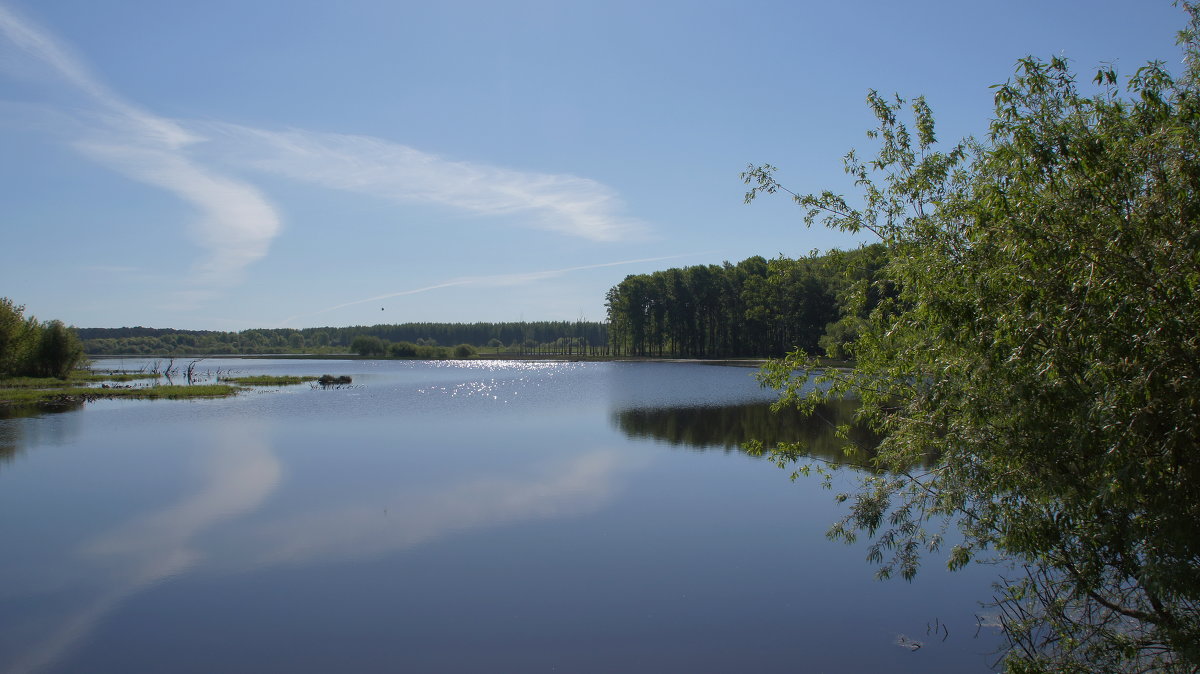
<point x="732" y="362"/>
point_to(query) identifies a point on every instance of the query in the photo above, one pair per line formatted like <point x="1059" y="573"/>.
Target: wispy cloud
<point x="237" y="223"/>
<point x="205" y="164"/>
<point x="565" y="204"/>
<point x="489" y="280"/>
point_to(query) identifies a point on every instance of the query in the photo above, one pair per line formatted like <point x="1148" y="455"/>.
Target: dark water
<point x="469" y="516"/>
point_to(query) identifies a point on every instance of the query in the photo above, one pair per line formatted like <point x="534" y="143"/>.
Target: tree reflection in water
<point x="730" y="427"/>
<point x="13" y="429"/>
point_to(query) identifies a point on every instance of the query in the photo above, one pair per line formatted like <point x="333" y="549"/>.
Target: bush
<point x="403" y="350"/>
<point x="28" y="348"/>
<point x="367" y="345"/>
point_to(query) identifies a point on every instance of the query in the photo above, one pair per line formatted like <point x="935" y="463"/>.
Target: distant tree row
<point x="516" y="337"/>
<point x="755" y="308"/>
<point x="372" y="346"/>
<point x="29" y="348"/>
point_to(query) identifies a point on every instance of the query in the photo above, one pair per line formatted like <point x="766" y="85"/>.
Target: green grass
<point x="115" y="376"/>
<point x="268" y="380"/>
<point x="19" y="391"/>
<point x="67" y="394"/>
<point x="77" y="377"/>
<point x="33" y="382"/>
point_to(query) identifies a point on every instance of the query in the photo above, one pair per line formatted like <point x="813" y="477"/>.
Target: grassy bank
<point x="67" y="393"/>
<point x="81" y="387"/>
<point x="268" y="380"/>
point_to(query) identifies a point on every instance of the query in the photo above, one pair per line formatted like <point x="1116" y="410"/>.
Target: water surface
<point x="446" y="516"/>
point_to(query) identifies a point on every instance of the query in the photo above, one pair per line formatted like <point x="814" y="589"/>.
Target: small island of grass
<point x="269" y="380"/>
<point x="79" y="387"/>
<point x="65" y="392"/>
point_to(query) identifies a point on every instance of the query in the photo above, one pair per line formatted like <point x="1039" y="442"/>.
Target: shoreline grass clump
<point x="268" y="380"/>
<point x="67" y="394"/>
<point x="81" y="386"/>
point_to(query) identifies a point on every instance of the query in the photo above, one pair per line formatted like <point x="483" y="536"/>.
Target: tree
<point x="1041" y="350"/>
<point x="59" y="351"/>
<point x="30" y="348"/>
<point x="403" y="350"/>
<point x="18" y="338"/>
<point x="369" y="345"/>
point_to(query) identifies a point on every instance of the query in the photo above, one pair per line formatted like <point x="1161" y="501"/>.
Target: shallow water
<point x="446" y="516"/>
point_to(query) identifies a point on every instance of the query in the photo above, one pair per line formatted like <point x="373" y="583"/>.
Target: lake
<point x="454" y="516"/>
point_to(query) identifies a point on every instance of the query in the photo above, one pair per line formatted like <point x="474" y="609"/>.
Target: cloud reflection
<point x="405" y="518"/>
<point x="237" y="474"/>
<point x="240" y="472"/>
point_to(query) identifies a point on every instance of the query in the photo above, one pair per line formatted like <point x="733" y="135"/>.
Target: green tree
<point x="18" y="338"/>
<point x="59" y="351"/>
<point x="403" y="350"/>
<point x="369" y="345"/>
<point x="28" y="348"/>
<point x="1041" y="353"/>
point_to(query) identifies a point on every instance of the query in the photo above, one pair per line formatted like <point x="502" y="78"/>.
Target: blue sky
<point x="231" y="164"/>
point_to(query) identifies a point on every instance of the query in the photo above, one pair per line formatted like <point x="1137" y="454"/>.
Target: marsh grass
<point x="112" y="376"/>
<point x="268" y="380"/>
<point x="79" y="387"/>
<point x="77" y="377"/>
<point x="63" y="394"/>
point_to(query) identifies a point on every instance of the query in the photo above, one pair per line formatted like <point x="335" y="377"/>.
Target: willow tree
<point x="1041" y="351"/>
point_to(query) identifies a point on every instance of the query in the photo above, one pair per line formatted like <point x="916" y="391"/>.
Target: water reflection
<point x="401" y="517"/>
<point x="448" y="517"/>
<point x="729" y="427"/>
<point x="236" y="476"/>
<point x="222" y="527"/>
<point x="17" y="430"/>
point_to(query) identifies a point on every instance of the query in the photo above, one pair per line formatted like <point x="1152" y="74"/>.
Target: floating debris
<point x="330" y="380"/>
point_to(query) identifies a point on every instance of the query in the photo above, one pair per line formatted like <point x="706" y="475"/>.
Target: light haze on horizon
<point x="230" y="165"/>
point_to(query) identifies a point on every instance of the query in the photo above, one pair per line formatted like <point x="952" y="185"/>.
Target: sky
<point x="235" y="164"/>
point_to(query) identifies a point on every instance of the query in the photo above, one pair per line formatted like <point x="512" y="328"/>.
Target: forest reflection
<point x="729" y="427"/>
<point x="13" y="431"/>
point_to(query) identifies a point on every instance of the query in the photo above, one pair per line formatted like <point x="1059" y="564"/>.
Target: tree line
<point x="755" y="308"/>
<point x="31" y="348"/>
<point x="525" y="337"/>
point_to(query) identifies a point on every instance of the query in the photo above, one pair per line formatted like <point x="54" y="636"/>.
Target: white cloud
<point x="365" y="165"/>
<point x="237" y="223"/>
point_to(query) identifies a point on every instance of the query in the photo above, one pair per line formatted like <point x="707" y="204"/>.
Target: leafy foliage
<point x="33" y="349"/>
<point x="1041" y="353"/>
<point x="755" y="308"/>
<point x="545" y="336"/>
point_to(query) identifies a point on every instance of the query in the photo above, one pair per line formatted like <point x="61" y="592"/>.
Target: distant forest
<point x="755" y="308"/>
<point x="535" y="337"/>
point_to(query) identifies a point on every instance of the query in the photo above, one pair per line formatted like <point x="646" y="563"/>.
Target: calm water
<point x="443" y="517"/>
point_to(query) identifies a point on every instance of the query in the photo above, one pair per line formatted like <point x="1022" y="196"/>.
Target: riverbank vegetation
<point x="375" y="347"/>
<point x="58" y="392"/>
<point x="429" y="340"/>
<point x="36" y="356"/>
<point x="266" y="380"/>
<point x="1042" y="352"/>
<point x="753" y="309"/>
<point x="29" y="348"/>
